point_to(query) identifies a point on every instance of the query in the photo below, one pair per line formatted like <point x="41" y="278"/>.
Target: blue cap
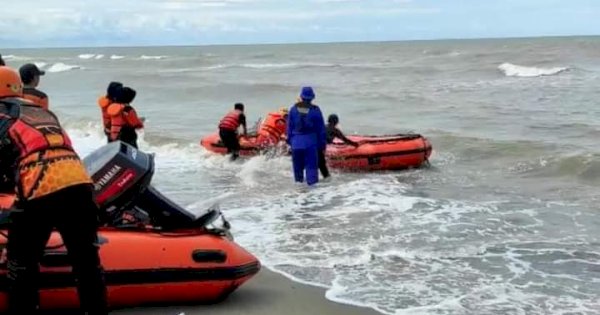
<point x="307" y="93"/>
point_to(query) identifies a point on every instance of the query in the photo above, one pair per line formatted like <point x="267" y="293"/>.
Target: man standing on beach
<point x="30" y="76"/>
<point x="2" y="63"/>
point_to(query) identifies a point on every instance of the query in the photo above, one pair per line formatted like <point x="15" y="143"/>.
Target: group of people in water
<point x="302" y="127"/>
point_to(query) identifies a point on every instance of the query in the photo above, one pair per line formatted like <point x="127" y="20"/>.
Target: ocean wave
<point x="146" y="57"/>
<point x="116" y="57"/>
<point x="298" y="65"/>
<point x="373" y="245"/>
<point x="61" y="67"/>
<point x="14" y="57"/>
<point x="290" y="65"/>
<point x="91" y="56"/>
<point x="511" y="70"/>
<point x="467" y="148"/>
<point x="278" y="65"/>
<point x="40" y="64"/>
<point x="86" y="56"/>
<point x="583" y="167"/>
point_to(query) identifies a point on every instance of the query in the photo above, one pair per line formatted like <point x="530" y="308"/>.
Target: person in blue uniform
<point x="306" y="136"/>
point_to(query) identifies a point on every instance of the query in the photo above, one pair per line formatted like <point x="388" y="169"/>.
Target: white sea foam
<point x="86" y="56"/>
<point x="512" y="70"/>
<point x="146" y="57"/>
<point x="61" y="67"/>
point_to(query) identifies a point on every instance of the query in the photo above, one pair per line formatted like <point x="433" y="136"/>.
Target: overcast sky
<point x="58" y="23"/>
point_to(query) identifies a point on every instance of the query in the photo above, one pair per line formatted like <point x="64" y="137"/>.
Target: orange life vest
<point x="272" y="129"/>
<point x="103" y="103"/>
<point x="122" y="116"/>
<point x="231" y="121"/>
<point x="37" y="97"/>
<point x="44" y="158"/>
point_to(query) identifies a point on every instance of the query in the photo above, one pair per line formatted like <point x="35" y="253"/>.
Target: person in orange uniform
<point x="228" y="127"/>
<point x="53" y="190"/>
<point x="272" y="129"/>
<point x="112" y="92"/>
<point x="30" y="75"/>
<point x="124" y="120"/>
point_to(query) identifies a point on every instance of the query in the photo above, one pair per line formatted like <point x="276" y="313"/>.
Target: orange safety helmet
<point x="10" y="82"/>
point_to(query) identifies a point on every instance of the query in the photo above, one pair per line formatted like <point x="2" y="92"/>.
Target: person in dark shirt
<point x="30" y="75"/>
<point x="2" y="63"/>
<point x="333" y="132"/>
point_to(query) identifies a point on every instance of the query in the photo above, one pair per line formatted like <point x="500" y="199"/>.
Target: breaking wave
<point x="511" y="70"/>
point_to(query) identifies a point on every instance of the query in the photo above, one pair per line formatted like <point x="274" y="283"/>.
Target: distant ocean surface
<point x="505" y="221"/>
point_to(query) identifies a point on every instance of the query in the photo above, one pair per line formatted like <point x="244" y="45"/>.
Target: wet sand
<point x="267" y="294"/>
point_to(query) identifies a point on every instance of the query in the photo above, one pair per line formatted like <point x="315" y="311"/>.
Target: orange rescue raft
<point x="144" y="267"/>
<point x="269" y="132"/>
<point x="379" y="152"/>
<point x="248" y="144"/>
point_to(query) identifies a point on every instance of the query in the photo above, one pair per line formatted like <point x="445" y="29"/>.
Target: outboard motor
<point x="122" y="176"/>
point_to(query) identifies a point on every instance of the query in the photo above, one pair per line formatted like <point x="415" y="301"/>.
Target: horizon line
<point x="310" y="43"/>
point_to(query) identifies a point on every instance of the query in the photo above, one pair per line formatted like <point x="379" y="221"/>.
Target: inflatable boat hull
<point x="395" y="152"/>
<point x="144" y="268"/>
<point x="379" y="153"/>
<point x="249" y="145"/>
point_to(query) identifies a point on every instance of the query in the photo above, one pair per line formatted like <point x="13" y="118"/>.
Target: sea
<point x="505" y="220"/>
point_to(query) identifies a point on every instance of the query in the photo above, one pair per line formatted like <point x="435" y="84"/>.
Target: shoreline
<point x="268" y="293"/>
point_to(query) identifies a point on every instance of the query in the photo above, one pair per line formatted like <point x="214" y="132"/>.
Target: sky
<point x="83" y="23"/>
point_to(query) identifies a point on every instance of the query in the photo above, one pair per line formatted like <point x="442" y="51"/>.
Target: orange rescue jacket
<point x="40" y="151"/>
<point x="103" y="103"/>
<point x="36" y="96"/>
<point x="231" y="121"/>
<point x="272" y="129"/>
<point x="122" y="116"/>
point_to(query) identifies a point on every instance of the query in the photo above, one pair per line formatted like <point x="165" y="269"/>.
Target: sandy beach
<point x="267" y="294"/>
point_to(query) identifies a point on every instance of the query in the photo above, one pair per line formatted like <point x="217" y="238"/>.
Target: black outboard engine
<point x="122" y="176"/>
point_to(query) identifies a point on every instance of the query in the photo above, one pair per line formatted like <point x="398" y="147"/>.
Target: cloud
<point x="189" y="22"/>
<point x="146" y="20"/>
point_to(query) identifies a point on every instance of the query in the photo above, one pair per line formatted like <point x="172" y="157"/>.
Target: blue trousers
<point x="306" y="159"/>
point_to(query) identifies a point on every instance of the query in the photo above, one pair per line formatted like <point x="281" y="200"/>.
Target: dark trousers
<point x="231" y="142"/>
<point x="323" y="164"/>
<point x="75" y="215"/>
<point x="129" y="136"/>
<point x="305" y="160"/>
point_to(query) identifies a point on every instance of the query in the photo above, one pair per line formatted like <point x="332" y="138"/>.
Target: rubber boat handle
<point x="207" y="256"/>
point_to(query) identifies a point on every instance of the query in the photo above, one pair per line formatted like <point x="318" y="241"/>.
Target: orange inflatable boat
<point x="379" y="152"/>
<point x="269" y="132"/>
<point x="153" y="251"/>
<point x="147" y="267"/>
<point x="248" y="144"/>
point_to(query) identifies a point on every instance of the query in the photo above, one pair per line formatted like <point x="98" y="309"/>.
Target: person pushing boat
<point x="334" y="132"/>
<point x="228" y="127"/>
